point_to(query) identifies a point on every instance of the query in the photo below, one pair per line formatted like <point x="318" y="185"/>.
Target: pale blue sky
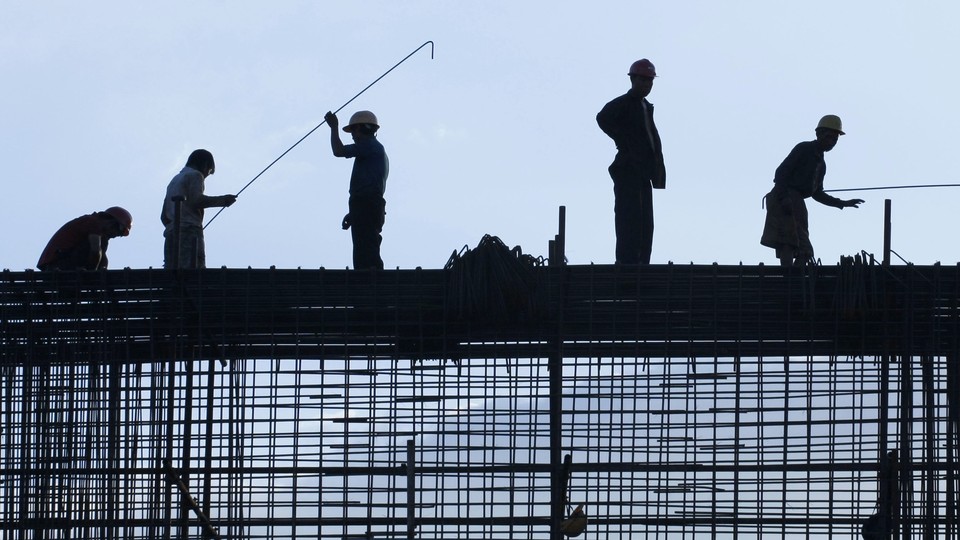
<point x="102" y="102"/>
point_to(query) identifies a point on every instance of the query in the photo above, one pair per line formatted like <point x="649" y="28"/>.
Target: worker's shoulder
<point x="186" y="174"/>
<point x="370" y="145"/>
<point x="183" y="178"/>
<point x="81" y="224"/>
<point x="805" y="147"/>
<point x="618" y="101"/>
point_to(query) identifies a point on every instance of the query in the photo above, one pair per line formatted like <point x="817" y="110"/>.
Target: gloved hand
<point x="346" y="222"/>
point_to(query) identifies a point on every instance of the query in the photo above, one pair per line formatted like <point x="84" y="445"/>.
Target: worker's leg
<point x="646" y="222"/>
<point x="627" y="210"/>
<point x="367" y="217"/>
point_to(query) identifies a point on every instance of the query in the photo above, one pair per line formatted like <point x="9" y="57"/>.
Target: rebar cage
<point x="669" y="401"/>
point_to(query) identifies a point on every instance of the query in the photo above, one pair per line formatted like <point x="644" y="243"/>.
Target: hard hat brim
<point x="349" y="127"/>
<point x="841" y="132"/>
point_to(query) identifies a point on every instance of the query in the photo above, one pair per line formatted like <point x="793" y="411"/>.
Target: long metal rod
<point x="875" y="188"/>
<point x="324" y="122"/>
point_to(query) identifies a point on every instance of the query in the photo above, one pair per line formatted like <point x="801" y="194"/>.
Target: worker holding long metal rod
<point x="368" y="181"/>
<point x="358" y="94"/>
<point x="800" y="177"/>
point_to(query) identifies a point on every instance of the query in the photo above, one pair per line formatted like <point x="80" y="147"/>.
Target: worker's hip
<point x="369" y="210"/>
<point x="786" y="223"/>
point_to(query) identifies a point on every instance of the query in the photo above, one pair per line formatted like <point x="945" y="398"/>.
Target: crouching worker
<point x="187" y="186"/>
<point x="368" y="182"/>
<point x="81" y="244"/>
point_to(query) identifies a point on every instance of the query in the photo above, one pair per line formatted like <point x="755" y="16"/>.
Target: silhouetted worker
<point x="82" y="243"/>
<point x="800" y="176"/>
<point x="367" y="185"/>
<point x="189" y="184"/>
<point x="638" y="166"/>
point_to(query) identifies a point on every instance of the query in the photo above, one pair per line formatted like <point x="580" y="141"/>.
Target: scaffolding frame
<point x="694" y="401"/>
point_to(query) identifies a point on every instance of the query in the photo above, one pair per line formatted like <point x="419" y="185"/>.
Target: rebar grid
<point x="286" y="401"/>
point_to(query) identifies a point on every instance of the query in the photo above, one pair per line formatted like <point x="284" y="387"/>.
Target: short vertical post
<point x="886" y="232"/>
<point x="562" y="237"/>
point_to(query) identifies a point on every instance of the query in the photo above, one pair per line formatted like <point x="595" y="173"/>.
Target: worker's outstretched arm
<point x="220" y="200"/>
<point x="829" y="200"/>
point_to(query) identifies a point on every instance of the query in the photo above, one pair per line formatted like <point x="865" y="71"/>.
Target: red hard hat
<point x="643" y="67"/>
<point x="123" y="218"/>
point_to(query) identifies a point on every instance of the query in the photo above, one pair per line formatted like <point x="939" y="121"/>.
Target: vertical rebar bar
<point x="411" y="492"/>
<point x="177" y="218"/>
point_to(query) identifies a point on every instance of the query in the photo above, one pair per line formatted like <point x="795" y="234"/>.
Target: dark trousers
<point x="77" y="258"/>
<point x="633" y="215"/>
<point x="366" y="223"/>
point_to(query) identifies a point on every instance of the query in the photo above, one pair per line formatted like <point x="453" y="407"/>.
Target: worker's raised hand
<point x="853" y="203"/>
<point x="331" y="120"/>
<point x="228" y="200"/>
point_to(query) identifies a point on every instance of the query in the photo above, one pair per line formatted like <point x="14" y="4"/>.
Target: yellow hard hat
<point x="831" y="121"/>
<point x="361" y="117"/>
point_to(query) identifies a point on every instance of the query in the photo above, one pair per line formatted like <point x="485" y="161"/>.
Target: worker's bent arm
<point x="93" y="253"/>
<point x="611" y="119"/>
<point x="336" y="144"/>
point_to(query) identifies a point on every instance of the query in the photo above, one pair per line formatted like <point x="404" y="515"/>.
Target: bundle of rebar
<point x="493" y="283"/>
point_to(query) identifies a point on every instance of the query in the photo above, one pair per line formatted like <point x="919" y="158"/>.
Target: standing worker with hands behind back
<point x="368" y="181"/>
<point x="638" y="166"/>
<point x="799" y="177"/>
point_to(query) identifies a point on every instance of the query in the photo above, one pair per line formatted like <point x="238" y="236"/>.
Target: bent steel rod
<point x="358" y="94"/>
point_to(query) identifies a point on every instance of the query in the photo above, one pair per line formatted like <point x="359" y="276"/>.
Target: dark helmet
<point x="643" y="68"/>
<point x="123" y="218"/>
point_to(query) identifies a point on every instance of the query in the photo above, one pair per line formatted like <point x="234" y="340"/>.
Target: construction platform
<point x="693" y="401"/>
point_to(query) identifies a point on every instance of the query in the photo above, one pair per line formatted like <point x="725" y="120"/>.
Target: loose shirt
<point x="188" y="183"/>
<point x="803" y="171"/>
<point x="74" y="237"/>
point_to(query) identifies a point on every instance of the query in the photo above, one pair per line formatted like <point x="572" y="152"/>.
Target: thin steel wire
<point x="908" y="186"/>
